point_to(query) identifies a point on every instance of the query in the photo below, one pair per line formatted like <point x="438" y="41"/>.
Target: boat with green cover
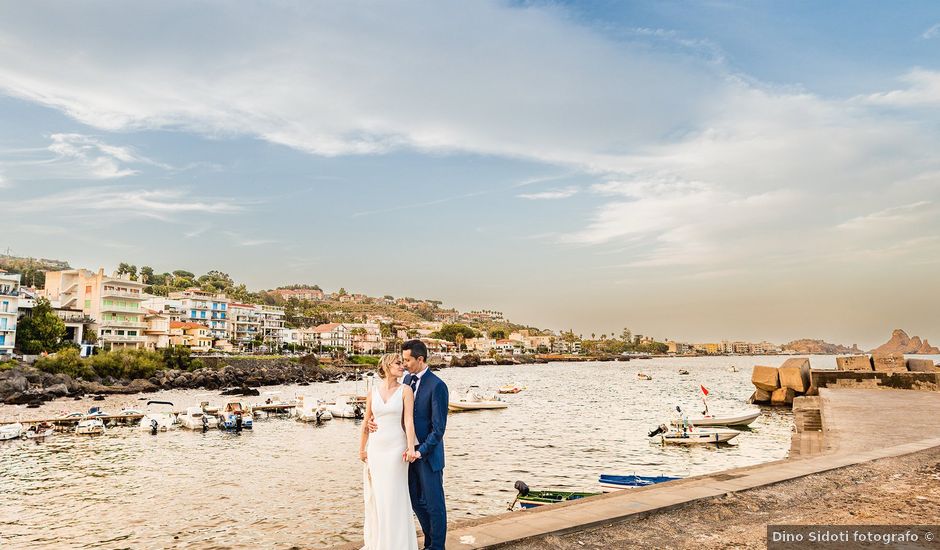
<point x="532" y="499"/>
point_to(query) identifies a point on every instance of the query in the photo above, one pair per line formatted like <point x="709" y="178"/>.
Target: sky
<point x="691" y="170"/>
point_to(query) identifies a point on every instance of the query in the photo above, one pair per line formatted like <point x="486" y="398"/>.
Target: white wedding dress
<point x="388" y="518"/>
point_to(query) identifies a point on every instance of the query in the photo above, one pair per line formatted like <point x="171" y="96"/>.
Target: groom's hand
<point x="372" y="425"/>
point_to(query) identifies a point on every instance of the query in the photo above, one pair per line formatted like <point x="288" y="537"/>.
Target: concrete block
<point x="765" y="378"/>
<point x="889" y="362"/>
<point x="760" y="396"/>
<point x="794" y="373"/>
<point x="854" y="362"/>
<point x="782" y="396"/>
<point x="813" y="390"/>
<point x="921" y="365"/>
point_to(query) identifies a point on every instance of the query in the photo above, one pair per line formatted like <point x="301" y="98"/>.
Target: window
<point x="87" y="304"/>
<point x="3" y="339"/>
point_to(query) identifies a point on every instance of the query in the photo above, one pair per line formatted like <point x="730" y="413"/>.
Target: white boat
<point x="11" y="431"/>
<point x="742" y="419"/>
<point x="312" y="411"/>
<point x="692" y="436"/>
<point x="643" y="376"/>
<point x="236" y="417"/>
<point x="39" y="432"/>
<point x="194" y="419"/>
<point x="346" y="406"/>
<point x="155" y="421"/>
<point x="473" y="400"/>
<point x="90" y="426"/>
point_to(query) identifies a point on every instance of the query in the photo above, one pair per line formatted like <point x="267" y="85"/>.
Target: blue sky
<point x="691" y="170"/>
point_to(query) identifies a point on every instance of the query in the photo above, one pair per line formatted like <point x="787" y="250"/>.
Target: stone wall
<point x="922" y="381"/>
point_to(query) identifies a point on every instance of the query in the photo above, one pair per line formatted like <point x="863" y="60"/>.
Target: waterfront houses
<point x="197" y="337"/>
<point x="112" y="302"/>
<point x="334" y="335"/>
<point x="9" y="309"/>
<point x="207" y="308"/>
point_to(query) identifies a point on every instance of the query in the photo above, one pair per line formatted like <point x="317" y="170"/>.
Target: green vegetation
<point x="32" y="270"/>
<point x="42" y="331"/>
<point x="126" y="364"/>
<point x="455" y="331"/>
<point x="372" y="360"/>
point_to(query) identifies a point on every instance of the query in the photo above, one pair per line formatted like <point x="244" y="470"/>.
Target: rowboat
<point x="742" y="419"/>
<point x="511" y="388"/>
<point x="683" y="372"/>
<point x="39" y="432"/>
<point x="664" y="435"/>
<point x="533" y="499"/>
<point x="617" y="483"/>
<point x="473" y="400"/>
<point x="643" y="376"/>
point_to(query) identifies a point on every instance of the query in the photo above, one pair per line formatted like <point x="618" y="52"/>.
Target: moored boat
<point x="11" y="431"/>
<point x="312" y="411"/>
<point x="528" y="498"/>
<point x="235" y="417"/>
<point x="617" y="482"/>
<point x="691" y="436"/>
<point x="90" y="426"/>
<point x="643" y="376"/>
<point x="740" y="419"/>
<point x="39" y="432"/>
<point x="193" y="418"/>
<point x="346" y="406"/>
<point x="683" y="372"/>
<point x="511" y="388"/>
<point x="158" y="421"/>
<point x="473" y="400"/>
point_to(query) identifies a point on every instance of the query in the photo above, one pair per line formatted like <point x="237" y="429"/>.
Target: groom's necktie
<point x="414" y="383"/>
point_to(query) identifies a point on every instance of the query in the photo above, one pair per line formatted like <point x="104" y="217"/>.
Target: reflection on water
<point x="291" y="484"/>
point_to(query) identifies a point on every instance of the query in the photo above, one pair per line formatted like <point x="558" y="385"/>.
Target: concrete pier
<point x="857" y="426"/>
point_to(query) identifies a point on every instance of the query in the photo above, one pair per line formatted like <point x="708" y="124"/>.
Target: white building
<point x="9" y="310"/>
<point x="206" y="308"/>
<point x="335" y="335"/>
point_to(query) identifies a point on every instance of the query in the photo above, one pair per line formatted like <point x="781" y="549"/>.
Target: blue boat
<point x="235" y="417"/>
<point x="632" y="481"/>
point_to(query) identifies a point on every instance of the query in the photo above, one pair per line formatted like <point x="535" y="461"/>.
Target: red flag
<point x="704" y="389"/>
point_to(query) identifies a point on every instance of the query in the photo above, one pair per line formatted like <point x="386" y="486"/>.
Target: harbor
<point x="570" y="423"/>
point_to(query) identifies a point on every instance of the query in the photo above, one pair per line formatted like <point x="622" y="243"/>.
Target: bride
<point x="387" y="453"/>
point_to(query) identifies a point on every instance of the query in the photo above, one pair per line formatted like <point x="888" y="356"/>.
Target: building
<point x="9" y="310"/>
<point x="678" y="348"/>
<point x="157" y="331"/>
<point x="197" y="337"/>
<point x="271" y="324"/>
<point x="168" y="306"/>
<point x="366" y="337"/>
<point x="112" y="302"/>
<point x="446" y="315"/>
<point x="334" y="335"/>
<point x="481" y="345"/>
<point x="207" y="308"/>
<point x="245" y="325"/>
<point x="310" y="294"/>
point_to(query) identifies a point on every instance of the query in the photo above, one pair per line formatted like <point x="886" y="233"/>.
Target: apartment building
<point x="9" y="309"/>
<point x="336" y="335"/>
<point x="366" y="337"/>
<point x="197" y="337"/>
<point x="245" y="324"/>
<point x="271" y="320"/>
<point x="158" y="329"/>
<point x="112" y="302"/>
<point x="206" y="308"/>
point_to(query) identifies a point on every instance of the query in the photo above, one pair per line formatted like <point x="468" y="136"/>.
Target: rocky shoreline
<point x="27" y="385"/>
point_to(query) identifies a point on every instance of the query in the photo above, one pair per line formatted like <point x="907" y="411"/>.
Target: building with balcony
<point x="334" y="335"/>
<point x="366" y="337"/>
<point x="245" y="325"/>
<point x="206" y="308"/>
<point x="271" y="320"/>
<point x="197" y="337"/>
<point x="112" y="302"/>
<point x="9" y="310"/>
<point x="157" y="330"/>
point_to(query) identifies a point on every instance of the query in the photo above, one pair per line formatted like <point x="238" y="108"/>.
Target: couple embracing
<point x="402" y="445"/>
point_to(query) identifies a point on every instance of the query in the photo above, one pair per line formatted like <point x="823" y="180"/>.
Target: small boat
<point x="643" y="376"/>
<point x="732" y="368"/>
<point x="742" y="419"/>
<point x="235" y="417"/>
<point x="311" y="412"/>
<point x="511" y="388"/>
<point x="528" y="498"/>
<point x="346" y="406"/>
<point x="39" y="432"/>
<point x="473" y="400"/>
<point x="683" y="372"/>
<point x="90" y="426"/>
<point x="11" y="431"/>
<point x="95" y="412"/>
<point x="617" y="483"/>
<point x="691" y="436"/>
<point x="193" y="418"/>
<point x="155" y="421"/>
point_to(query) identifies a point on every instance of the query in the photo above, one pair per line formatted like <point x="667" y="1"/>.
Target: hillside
<point x="32" y="270"/>
<point x="900" y="342"/>
<point x="819" y="347"/>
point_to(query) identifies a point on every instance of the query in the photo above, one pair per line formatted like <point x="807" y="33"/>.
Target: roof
<point x="186" y="326"/>
<point x="327" y="327"/>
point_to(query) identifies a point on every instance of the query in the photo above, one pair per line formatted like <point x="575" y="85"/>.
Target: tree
<point x="146" y="274"/>
<point x="626" y="336"/>
<point x="342" y="292"/>
<point x="42" y="331"/>
<point x="450" y="332"/>
<point x="498" y="334"/>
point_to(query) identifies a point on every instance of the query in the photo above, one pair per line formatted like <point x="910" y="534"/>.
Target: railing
<point x="123" y="294"/>
<point x="124" y="338"/>
<point x="132" y="324"/>
<point x="8" y="329"/>
<point x="6" y="291"/>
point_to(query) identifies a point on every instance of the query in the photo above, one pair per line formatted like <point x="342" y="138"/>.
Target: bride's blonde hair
<point x="385" y="363"/>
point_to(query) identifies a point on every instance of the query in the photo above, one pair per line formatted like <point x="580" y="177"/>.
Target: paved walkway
<point x="860" y="426"/>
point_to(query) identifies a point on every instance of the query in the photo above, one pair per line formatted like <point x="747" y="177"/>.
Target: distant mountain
<point x="900" y="342"/>
<point x="819" y="347"/>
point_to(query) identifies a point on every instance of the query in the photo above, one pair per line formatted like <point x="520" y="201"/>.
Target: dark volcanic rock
<point x="241" y="391"/>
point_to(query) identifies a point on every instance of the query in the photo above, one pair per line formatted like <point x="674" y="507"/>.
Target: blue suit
<point x="426" y="476"/>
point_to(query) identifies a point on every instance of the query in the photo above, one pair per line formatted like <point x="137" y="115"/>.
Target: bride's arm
<point x="364" y="436"/>
<point x="408" y="416"/>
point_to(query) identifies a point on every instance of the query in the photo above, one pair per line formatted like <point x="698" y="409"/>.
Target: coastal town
<point x="125" y="309"/>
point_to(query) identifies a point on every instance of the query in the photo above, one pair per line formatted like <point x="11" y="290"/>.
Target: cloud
<point x="923" y="90"/>
<point x="120" y="204"/>
<point x="932" y="32"/>
<point x="551" y="195"/>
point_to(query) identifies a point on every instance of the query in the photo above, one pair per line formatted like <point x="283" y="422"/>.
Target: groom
<point x="426" y="473"/>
